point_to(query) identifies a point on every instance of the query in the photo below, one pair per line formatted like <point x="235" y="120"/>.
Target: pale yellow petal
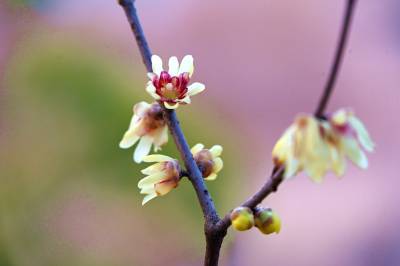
<point x="218" y="165"/>
<point x="171" y="106"/>
<point x="187" y="65"/>
<point x="151" y="179"/>
<point x="362" y="133"/>
<point x="186" y="100"/>
<point x="156" y="158"/>
<point x="156" y="64"/>
<point x="173" y="65"/>
<point x="154" y="168"/>
<point x="147" y="189"/>
<point x="164" y="187"/>
<point x="149" y="197"/>
<point x="216" y="150"/>
<point x="129" y="139"/>
<point x="354" y="152"/>
<point x="160" y="138"/>
<point x="196" y="148"/>
<point x="195" y="88"/>
<point x="141" y="108"/>
<point x="143" y="148"/>
<point x="211" y="177"/>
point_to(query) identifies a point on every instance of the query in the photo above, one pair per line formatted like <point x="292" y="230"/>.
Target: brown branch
<point x="330" y="83"/>
<point x="215" y="228"/>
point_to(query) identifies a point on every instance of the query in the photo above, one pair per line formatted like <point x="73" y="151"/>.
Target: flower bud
<point x="267" y="220"/>
<point x="242" y="218"/>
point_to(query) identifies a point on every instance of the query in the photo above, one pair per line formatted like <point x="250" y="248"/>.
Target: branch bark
<point x="215" y="228"/>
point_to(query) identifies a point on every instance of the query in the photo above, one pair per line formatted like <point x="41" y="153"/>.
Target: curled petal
<point x="186" y="100"/>
<point x="187" y="65"/>
<point x="195" y="88"/>
<point x="152" y="169"/>
<point x="171" y="106"/>
<point x="156" y="64"/>
<point x="173" y="65"/>
<point x="160" y="138"/>
<point x="354" y="152"/>
<point x="165" y="186"/>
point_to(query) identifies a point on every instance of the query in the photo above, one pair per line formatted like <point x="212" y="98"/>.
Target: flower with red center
<point x="208" y="160"/>
<point x="162" y="177"/>
<point x="171" y="87"/>
<point x="148" y="125"/>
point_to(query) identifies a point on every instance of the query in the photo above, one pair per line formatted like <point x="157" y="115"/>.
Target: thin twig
<point x="333" y="74"/>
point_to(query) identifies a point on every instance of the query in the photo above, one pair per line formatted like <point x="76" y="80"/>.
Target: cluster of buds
<point x="265" y="219"/>
<point x="319" y="145"/>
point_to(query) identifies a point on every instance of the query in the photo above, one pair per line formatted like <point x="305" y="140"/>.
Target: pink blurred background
<point x="262" y="62"/>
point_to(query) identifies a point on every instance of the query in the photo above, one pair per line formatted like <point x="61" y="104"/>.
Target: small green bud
<point x="242" y="218"/>
<point x="267" y="220"/>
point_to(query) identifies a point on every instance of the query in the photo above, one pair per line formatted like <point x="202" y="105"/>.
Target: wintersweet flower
<point x="162" y="177"/>
<point x="208" y="161"/>
<point x="347" y="137"/>
<point x="148" y="125"/>
<point x="302" y="147"/>
<point x="171" y="87"/>
<point x="317" y="146"/>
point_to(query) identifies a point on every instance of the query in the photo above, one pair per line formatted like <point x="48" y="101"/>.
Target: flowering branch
<point x="216" y="228"/>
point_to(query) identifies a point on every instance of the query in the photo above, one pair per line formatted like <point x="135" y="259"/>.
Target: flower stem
<point x="330" y="83"/>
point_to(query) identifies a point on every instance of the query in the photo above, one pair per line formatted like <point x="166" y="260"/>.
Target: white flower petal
<point x="218" y="165"/>
<point x="147" y="189"/>
<point x="143" y="148"/>
<point x="156" y="64"/>
<point x="140" y="108"/>
<point x="173" y="66"/>
<point x="186" y="65"/>
<point x="195" y="88"/>
<point x="156" y="158"/>
<point x="196" y="148"/>
<point x="362" y="133"/>
<point x="149" y="197"/>
<point x="152" y="91"/>
<point x="186" y="100"/>
<point x="171" y="106"/>
<point x="216" y="150"/>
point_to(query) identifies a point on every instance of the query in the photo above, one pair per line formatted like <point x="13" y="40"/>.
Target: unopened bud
<point x="267" y="220"/>
<point x="242" y="218"/>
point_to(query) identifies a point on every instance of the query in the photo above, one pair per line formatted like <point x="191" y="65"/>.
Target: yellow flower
<point x="148" y="125"/>
<point x="171" y="87"/>
<point x="242" y="218"/>
<point x="208" y="161"/>
<point x="317" y="146"/>
<point x="267" y="220"/>
<point x="162" y="177"/>
<point x="347" y="137"/>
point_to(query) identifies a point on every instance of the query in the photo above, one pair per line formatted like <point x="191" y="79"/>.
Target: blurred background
<point x="70" y="73"/>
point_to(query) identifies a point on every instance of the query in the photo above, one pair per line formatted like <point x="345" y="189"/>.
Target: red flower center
<point x="170" y="88"/>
